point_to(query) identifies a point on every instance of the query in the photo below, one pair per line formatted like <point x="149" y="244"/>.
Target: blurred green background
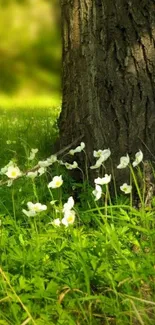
<point x="30" y="51"/>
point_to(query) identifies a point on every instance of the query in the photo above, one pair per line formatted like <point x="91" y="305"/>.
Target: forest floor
<point x="73" y="259"/>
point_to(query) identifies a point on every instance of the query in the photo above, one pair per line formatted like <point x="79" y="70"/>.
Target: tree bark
<point x="109" y="76"/>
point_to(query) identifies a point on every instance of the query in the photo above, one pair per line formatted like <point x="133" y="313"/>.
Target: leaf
<point x="22" y="282"/>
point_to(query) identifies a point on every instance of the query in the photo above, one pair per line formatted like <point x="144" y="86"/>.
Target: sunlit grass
<point x="24" y="103"/>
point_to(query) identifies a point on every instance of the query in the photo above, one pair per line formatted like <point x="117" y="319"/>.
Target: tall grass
<point x="98" y="270"/>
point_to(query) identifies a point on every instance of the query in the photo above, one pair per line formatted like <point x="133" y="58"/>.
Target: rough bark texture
<point x="109" y="75"/>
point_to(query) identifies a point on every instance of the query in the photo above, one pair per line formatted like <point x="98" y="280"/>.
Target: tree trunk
<point x="109" y="76"/>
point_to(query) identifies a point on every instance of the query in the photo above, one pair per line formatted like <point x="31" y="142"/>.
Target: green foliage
<point x="30" y="49"/>
<point x="100" y="270"/>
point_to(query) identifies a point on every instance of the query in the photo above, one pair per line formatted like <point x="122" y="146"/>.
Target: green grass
<point x="30" y="127"/>
<point x="100" y="270"/>
<point x="24" y="104"/>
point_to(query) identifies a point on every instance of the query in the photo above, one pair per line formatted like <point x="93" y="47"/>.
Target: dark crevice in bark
<point x="138" y="76"/>
<point x="148" y="71"/>
<point x="146" y="121"/>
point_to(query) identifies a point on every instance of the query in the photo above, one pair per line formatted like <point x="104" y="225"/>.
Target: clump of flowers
<point x="98" y="182"/>
<point x="69" y="214"/>
<point x="12" y="171"/>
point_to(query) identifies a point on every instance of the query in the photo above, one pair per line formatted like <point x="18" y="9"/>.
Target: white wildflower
<point x="77" y="149"/>
<point x="69" y="205"/>
<point x="138" y="158"/>
<point x="32" y="174"/>
<point x="10" y="182"/>
<point x="56" y="222"/>
<point x="29" y="213"/>
<point x="61" y="162"/>
<point x="104" y="180"/>
<point x="124" y="161"/>
<point x="52" y="159"/>
<point x="71" y="166"/>
<point x="5" y="168"/>
<point x="69" y="218"/>
<point x="103" y="156"/>
<point x="37" y="207"/>
<point x="126" y="188"/>
<point x="48" y="162"/>
<point x="97" y="154"/>
<point x="44" y="163"/>
<point x="34" y="208"/>
<point x="57" y="181"/>
<point x="42" y="170"/>
<point x="97" y="192"/>
<point x="98" y="164"/>
<point x="102" y="153"/>
<point x="32" y="154"/>
<point x="13" y="172"/>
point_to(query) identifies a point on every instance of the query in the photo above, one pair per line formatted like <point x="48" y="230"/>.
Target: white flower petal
<point x="97" y="192"/>
<point x="52" y="159"/>
<point x="29" y="213"/>
<point x="124" y="161"/>
<point x="13" y="172"/>
<point x="69" y="205"/>
<point x="126" y="188"/>
<point x="71" y="166"/>
<point x="56" y="182"/>
<point x="32" y="174"/>
<point x="69" y="218"/>
<point x="104" y="180"/>
<point x="98" y="164"/>
<point x="44" y="163"/>
<point x="103" y="156"/>
<point x="138" y="158"/>
<point x="10" y="182"/>
<point x="77" y="149"/>
<point x="64" y="222"/>
<point x="42" y="170"/>
<point x="97" y="154"/>
<point x="36" y="207"/>
<point x="56" y="222"/>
